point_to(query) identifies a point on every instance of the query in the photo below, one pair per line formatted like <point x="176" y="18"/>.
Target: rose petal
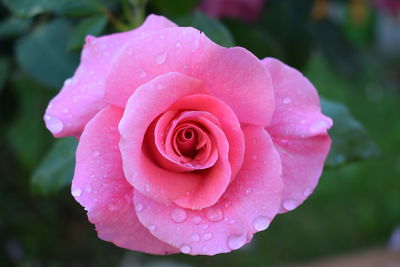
<point x="99" y="185"/>
<point x="233" y="75"/>
<point x="214" y="180"/>
<point x="160" y="143"/>
<point x="146" y="104"/>
<point x="250" y="203"/>
<point x="300" y="131"/>
<point x="82" y="95"/>
<point x="228" y="122"/>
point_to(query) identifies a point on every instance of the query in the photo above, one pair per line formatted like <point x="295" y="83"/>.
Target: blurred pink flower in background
<point x="248" y="10"/>
<point x="389" y="6"/>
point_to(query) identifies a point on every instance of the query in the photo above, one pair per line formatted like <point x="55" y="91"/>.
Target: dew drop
<point x="287" y="100"/>
<point x="160" y="59"/>
<point x="289" y="204"/>
<point x="254" y="157"/>
<point x="248" y="191"/>
<point x="139" y="207"/>
<point x="142" y="74"/>
<point x="207" y="236"/>
<point x="318" y="127"/>
<point x="96" y="153"/>
<point x="88" y="189"/>
<point x="307" y="192"/>
<point x="215" y="214"/>
<point x="160" y="87"/>
<point x="195" y="237"/>
<point x="76" y="192"/>
<point x="261" y="223"/>
<point x="152" y="228"/>
<point x="112" y="207"/>
<point x="196" y="220"/>
<point x="236" y="241"/>
<point x="67" y="82"/>
<point x="178" y="215"/>
<point x="185" y="249"/>
<point x="54" y="124"/>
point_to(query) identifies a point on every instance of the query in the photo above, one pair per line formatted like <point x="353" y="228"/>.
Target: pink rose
<point x="248" y="10"/>
<point x="389" y="6"/>
<point x="185" y="145"/>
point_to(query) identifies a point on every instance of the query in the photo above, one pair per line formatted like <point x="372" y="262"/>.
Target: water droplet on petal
<point x="289" y="204"/>
<point x="76" y="192"/>
<point x="287" y="100"/>
<point x="207" y="236"/>
<point x="112" y="207"/>
<point x="215" y="214"/>
<point x="54" y="124"/>
<point x="96" y="153"/>
<point x="248" y="191"/>
<point x="196" y="237"/>
<point x="139" y="207"/>
<point x="178" y="215"/>
<point x="160" y="87"/>
<point x="254" y="157"/>
<point x="67" y="82"/>
<point x="307" y="192"/>
<point x="185" y="249"/>
<point x="236" y="241"/>
<point x="160" y="59"/>
<point x="318" y="126"/>
<point x="152" y="228"/>
<point x="261" y="223"/>
<point x="196" y="220"/>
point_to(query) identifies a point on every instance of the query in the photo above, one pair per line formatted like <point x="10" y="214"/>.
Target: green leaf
<point x="350" y="141"/>
<point x="56" y="169"/>
<point x="27" y="134"/>
<point x="43" y="53"/>
<point x="337" y="49"/>
<point x="173" y="8"/>
<point x="30" y="8"/>
<point x="90" y="26"/>
<point x="4" y="66"/>
<point x="81" y="8"/>
<point x="13" y="26"/>
<point x="214" y="29"/>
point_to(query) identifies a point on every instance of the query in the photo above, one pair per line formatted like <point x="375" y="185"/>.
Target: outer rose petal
<point x="82" y="95"/>
<point x="299" y="130"/>
<point x="99" y="185"/>
<point x="233" y="75"/>
<point x="248" y="206"/>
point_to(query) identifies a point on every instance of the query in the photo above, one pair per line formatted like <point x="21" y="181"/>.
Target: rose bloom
<point x="185" y="145"/>
<point x="247" y="10"/>
<point x="391" y="7"/>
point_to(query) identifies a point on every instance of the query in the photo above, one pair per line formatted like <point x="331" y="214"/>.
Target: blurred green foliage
<point x="355" y="205"/>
